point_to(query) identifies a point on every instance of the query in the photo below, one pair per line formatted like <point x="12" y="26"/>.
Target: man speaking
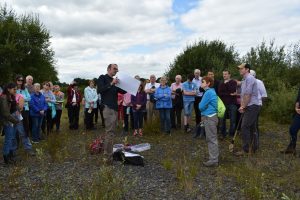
<point x="106" y="85"/>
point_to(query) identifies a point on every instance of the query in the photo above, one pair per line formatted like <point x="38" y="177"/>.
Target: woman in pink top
<point x="127" y="111"/>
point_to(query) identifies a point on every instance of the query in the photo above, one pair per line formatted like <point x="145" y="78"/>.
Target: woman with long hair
<point x="139" y="102"/>
<point x="26" y="96"/>
<point x="8" y="106"/>
<point x="22" y="99"/>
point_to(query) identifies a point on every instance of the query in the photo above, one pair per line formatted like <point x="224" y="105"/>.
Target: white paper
<point x="128" y="83"/>
<point x="128" y="154"/>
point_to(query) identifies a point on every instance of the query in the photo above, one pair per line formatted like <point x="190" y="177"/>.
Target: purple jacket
<point x="141" y="99"/>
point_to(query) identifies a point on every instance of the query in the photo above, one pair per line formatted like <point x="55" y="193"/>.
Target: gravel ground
<point x="173" y="170"/>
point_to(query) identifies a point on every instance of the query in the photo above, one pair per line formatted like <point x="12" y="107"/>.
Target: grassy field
<point x="64" y="169"/>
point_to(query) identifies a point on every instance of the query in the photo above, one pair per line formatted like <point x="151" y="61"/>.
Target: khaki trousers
<point x="110" y="119"/>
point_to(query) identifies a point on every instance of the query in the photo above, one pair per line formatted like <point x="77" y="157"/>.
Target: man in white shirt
<point x="262" y="95"/>
<point x="150" y="90"/>
<point x="197" y="81"/>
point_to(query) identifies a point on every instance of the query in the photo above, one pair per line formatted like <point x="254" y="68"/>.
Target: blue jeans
<point x="165" y="119"/>
<point x="231" y="111"/>
<point x="10" y="143"/>
<point x="188" y="107"/>
<point x="25" y="140"/>
<point x="36" y="127"/>
<point x="294" y="128"/>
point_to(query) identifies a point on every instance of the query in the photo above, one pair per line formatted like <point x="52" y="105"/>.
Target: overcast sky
<point x="144" y="36"/>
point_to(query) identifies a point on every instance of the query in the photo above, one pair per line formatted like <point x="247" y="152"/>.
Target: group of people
<point x="243" y="101"/>
<point x="26" y="109"/>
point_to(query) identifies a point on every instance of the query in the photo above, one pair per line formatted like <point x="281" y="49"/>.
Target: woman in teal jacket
<point x="209" y="109"/>
<point x="163" y="96"/>
<point x="20" y="81"/>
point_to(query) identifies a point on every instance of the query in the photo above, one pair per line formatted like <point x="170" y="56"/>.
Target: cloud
<point x="133" y="63"/>
<point x="144" y="37"/>
<point x="245" y="23"/>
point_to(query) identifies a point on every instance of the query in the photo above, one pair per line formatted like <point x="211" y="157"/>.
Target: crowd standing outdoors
<point x="29" y="113"/>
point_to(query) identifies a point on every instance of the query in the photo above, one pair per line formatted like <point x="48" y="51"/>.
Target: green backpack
<point x="221" y="108"/>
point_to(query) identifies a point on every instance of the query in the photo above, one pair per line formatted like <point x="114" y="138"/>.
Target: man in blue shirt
<point x="189" y="92"/>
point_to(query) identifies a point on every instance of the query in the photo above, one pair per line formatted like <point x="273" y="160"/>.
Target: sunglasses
<point x="20" y="80"/>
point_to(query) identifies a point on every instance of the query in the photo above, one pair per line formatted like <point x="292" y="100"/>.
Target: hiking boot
<point x="210" y="164"/>
<point x="197" y="131"/>
<point x="135" y="133"/>
<point x="13" y="157"/>
<point x="6" y="159"/>
<point x="289" y="150"/>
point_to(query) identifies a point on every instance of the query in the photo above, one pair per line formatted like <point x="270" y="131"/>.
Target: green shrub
<point x="282" y="104"/>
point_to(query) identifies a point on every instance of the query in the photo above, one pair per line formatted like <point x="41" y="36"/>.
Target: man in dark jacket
<point x="294" y="128"/>
<point x="106" y="85"/>
<point x="227" y="89"/>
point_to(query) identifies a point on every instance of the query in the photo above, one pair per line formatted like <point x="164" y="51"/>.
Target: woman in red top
<point x="73" y="104"/>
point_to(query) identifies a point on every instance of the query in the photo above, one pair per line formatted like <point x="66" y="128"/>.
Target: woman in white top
<point x="91" y="97"/>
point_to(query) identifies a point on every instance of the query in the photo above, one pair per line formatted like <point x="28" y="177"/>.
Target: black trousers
<point x="73" y="114"/>
<point x="89" y="118"/>
<point x="126" y="118"/>
<point x="25" y="115"/>
<point x="197" y="110"/>
<point x="56" y="120"/>
<point x="176" y="117"/>
<point x="47" y="122"/>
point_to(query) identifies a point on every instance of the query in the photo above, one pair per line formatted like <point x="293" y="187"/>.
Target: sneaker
<point x="135" y="133"/>
<point x="141" y="132"/>
<point x="188" y="130"/>
<point x="210" y="164"/>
